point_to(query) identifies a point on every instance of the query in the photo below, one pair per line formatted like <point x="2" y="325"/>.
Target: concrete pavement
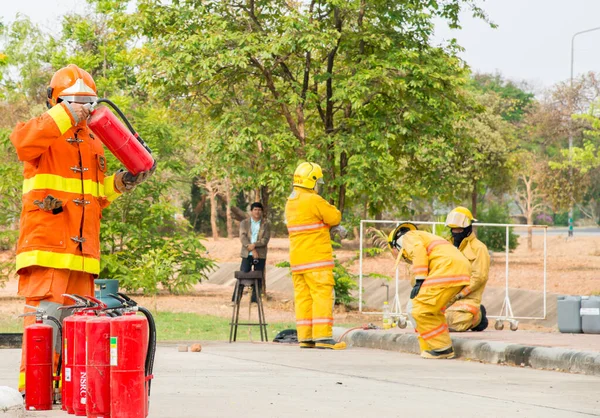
<point x="273" y="380"/>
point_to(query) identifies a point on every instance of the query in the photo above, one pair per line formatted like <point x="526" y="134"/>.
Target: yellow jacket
<point x="435" y="260"/>
<point x="308" y="218"/>
<point x="479" y="257"/>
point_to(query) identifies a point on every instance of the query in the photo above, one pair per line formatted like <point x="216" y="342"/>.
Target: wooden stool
<point x="252" y="280"/>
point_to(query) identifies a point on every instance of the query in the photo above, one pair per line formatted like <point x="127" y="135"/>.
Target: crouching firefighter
<point x="439" y="272"/>
<point x="465" y="311"/>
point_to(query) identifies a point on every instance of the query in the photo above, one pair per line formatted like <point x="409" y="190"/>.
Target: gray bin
<point x="590" y="315"/>
<point x="568" y="312"/>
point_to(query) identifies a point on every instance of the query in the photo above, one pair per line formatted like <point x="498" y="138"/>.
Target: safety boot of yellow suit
<point x="307" y="344"/>
<point x="330" y="344"/>
<point x="439" y="354"/>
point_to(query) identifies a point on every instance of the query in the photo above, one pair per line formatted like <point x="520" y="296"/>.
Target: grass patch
<point x="172" y="326"/>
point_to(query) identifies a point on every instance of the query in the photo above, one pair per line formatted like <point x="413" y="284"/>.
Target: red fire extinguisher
<point x="79" y="375"/>
<point x="98" y="366"/>
<point x="128" y="347"/>
<point x="67" y="372"/>
<point x="124" y="143"/>
<point x="38" y="361"/>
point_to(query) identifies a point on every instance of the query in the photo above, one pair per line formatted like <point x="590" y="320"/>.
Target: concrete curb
<point x="536" y="357"/>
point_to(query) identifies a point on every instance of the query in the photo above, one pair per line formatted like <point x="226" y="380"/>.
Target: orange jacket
<point x="67" y="162"/>
<point x="309" y="217"/>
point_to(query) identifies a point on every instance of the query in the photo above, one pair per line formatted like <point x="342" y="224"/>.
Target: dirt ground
<point x="573" y="267"/>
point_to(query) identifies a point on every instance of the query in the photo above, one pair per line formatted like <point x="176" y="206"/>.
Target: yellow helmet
<point x="459" y="217"/>
<point x="394" y="241"/>
<point x="307" y="175"/>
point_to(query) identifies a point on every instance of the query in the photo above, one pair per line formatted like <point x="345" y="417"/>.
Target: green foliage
<point x="373" y="251"/>
<point x="495" y="236"/>
<point x="345" y="283"/>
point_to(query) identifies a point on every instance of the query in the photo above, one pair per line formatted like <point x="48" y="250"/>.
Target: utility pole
<point x="571" y="105"/>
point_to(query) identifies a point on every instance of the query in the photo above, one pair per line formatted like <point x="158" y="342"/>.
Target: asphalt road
<point x="577" y="232"/>
<point x="270" y="380"/>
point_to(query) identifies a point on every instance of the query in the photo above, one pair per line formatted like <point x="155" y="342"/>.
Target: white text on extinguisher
<point x="83" y="387"/>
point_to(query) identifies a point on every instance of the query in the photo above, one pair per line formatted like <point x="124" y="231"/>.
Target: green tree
<point x="351" y="85"/>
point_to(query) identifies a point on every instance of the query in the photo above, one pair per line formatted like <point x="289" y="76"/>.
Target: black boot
<point x="483" y="324"/>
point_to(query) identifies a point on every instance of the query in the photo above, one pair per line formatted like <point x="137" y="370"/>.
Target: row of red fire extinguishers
<point x="105" y="368"/>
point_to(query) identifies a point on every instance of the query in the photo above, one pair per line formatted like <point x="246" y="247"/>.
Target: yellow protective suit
<point x="465" y="314"/>
<point x="445" y="272"/>
<point x="309" y="217"/>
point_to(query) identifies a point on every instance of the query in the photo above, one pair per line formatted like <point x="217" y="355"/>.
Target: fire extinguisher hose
<point x="124" y="118"/>
<point x="59" y="363"/>
<point x="151" y="343"/>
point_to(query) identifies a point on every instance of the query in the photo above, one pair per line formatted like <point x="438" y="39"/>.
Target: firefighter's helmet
<point x="395" y="237"/>
<point x="72" y="84"/>
<point x="460" y="217"/>
<point x="307" y="175"/>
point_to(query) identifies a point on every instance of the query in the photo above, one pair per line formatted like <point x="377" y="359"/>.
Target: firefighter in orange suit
<point x="65" y="188"/>
<point x="465" y="311"/>
<point x="310" y="221"/>
<point x="439" y="272"/>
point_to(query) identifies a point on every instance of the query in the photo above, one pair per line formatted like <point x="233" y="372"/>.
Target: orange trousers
<point x="44" y="287"/>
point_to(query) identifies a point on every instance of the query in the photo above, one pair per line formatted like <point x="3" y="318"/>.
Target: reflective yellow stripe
<point x="301" y="267"/>
<point x="63" y="184"/>
<point x="22" y="382"/>
<point x="61" y="118"/>
<point x="58" y="260"/>
<point x="109" y="188"/>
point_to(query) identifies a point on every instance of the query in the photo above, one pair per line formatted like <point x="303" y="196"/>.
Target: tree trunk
<point x="227" y="185"/>
<point x="212" y="196"/>
<point x="342" y="191"/>
<point x="265" y="194"/>
<point x="474" y="200"/>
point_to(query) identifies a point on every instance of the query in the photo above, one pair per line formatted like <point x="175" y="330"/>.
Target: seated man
<point x="465" y="311"/>
<point x="255" y="233"/>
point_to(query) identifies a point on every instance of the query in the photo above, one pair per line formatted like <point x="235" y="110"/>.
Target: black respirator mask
<point x="458" y="237"/>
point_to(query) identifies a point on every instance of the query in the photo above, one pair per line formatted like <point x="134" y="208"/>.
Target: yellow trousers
<point x="462" y="316"/>
<point x="314" y="298"/>
<point x="430" y="322"/>
<point x="44" y="287"/>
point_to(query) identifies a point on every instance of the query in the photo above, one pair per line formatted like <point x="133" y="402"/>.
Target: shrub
<point x="495" y="237"/>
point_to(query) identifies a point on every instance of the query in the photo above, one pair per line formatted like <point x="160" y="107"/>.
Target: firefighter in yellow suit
<point x="465" y="311"/>
<point x="310" y="220"/>
<point x="439" y="272"/>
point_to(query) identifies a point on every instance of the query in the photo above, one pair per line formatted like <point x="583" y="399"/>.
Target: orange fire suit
<point x="59" y="251"/>
<point x="465" y="313"/>
<point x="309" y="217"/>
<point x="445" y="272"/>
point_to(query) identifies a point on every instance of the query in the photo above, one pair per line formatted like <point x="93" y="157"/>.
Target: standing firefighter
<point x="64" y="191"/>
<point x="440" y="271"/>
<point x="465" y="311"/>
<point x="310" y="219"/>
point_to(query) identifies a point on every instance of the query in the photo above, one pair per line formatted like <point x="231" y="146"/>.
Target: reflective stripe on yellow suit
<point x="308" y="217"/>
<point x="445" y="272"/>
<point x="465" y="314"/>
<point x="314" y="297"/>
<point x="431" y="322"/>
<point x="44" y="287"/>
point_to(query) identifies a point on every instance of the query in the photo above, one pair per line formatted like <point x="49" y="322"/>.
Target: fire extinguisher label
<point x="113" y="351"/>
<point x="67" y="374"/>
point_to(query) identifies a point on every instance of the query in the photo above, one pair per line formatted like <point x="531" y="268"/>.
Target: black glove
<point x="415" y="290"/>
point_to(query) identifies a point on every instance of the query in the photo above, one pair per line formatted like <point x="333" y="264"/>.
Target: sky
<point x="532" y="42"/>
